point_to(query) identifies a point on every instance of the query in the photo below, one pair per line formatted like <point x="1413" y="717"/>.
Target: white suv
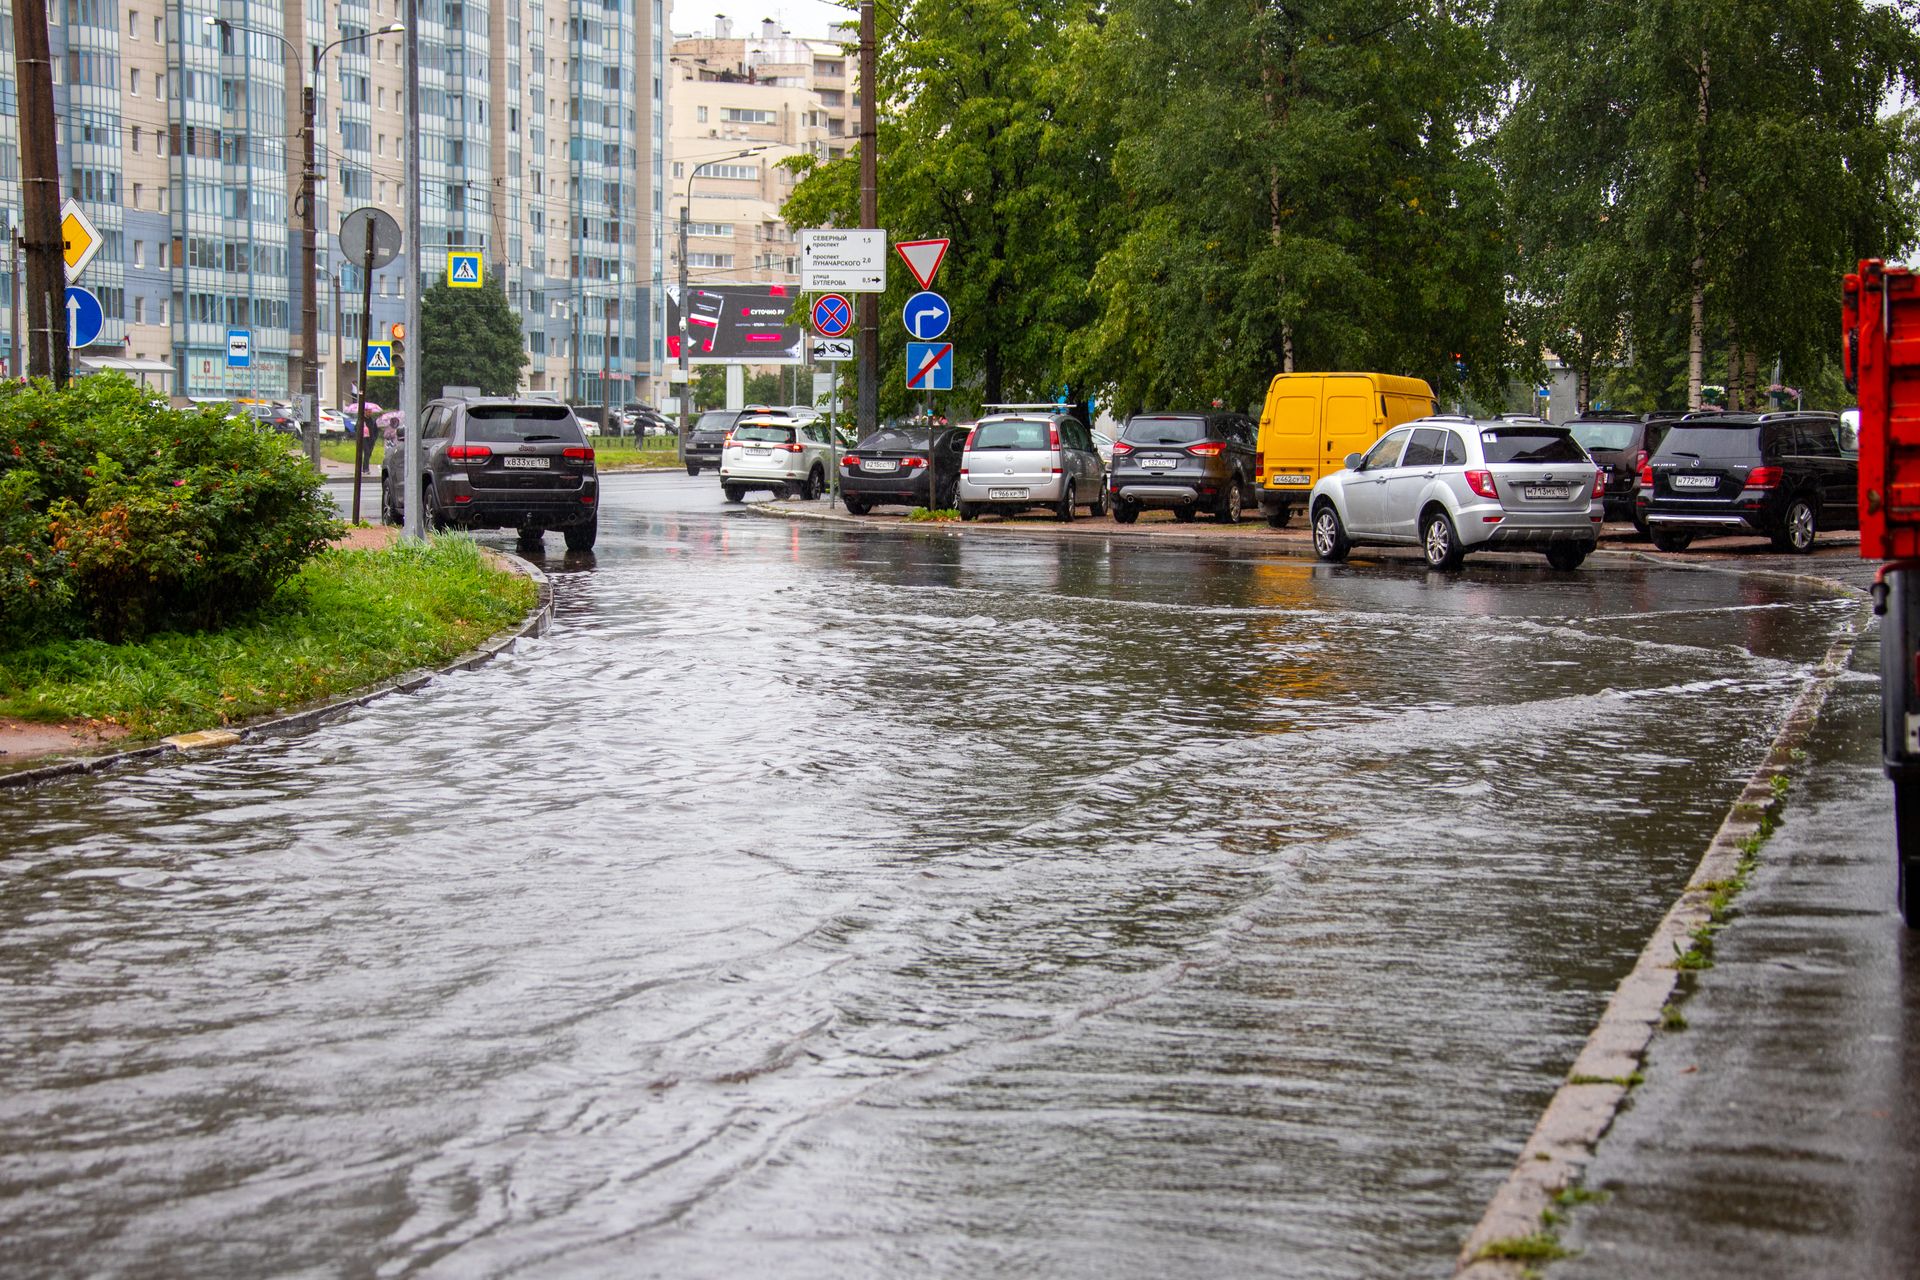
<point x="772" y="451"/>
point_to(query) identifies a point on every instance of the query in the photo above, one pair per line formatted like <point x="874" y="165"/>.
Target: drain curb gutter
<point x="1579" y="1115"/>
<point x="535" y="624"/>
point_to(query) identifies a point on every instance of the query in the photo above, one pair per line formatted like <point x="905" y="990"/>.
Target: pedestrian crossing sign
<point x="379" y="357"/>
<point x="463" y="269"/>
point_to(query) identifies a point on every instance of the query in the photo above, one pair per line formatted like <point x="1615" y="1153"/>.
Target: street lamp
<point x="309" y="298"/>
<point x="686" y="384"/>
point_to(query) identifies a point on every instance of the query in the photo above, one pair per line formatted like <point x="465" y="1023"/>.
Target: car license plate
<point x="1158" y="464"/>
<point x="1294" y="479"/>
<point x="1693" y="482"/>
<point x="880" y="468"/>
<point x="532" y="464"/>
<point x="1549" y="491"/>
<point x="1005" y="494"/>
<point x="754" y="453"/>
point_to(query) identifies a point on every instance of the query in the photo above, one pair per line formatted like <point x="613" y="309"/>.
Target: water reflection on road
<point x="828" y="903"/>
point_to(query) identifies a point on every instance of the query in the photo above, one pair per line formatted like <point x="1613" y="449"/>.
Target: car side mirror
<point x="1352" y="461"/>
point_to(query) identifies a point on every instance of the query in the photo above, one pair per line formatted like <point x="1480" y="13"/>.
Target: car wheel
<point x="857" y="507"/>
<point x="1906" y="839"/>
<point x="1329" y="535"/>
<point x="693" y="468"/>
<point x="734" y="492"/>
<point x="1231" y="505"/>
<point x="436" y="521"/>
<point x="1125" y="512"/>
<point x="580" y="537"/>
<point x="1064" y="511"/>
<point x="1799" y="529"/>
<point x="1439" y="541"/>
<point x="1640" y="525"/>
<point x="810" y="487"/>
<point x="390" y="512"/>
<point x="1567" y="556"/>
<point x="1185" y="515"/>
<point x="1100" y="505"/>
<point x="1278" y="516"/>
<point x="1666" y="540"/>
<point x="968" y="511"/>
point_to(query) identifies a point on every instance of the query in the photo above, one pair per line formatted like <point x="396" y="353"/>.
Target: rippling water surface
<point x="822" y="903"/>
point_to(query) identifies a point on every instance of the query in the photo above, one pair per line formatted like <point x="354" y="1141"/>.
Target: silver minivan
<point x="1014" y="461"/>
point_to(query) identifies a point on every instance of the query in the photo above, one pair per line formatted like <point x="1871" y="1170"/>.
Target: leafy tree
<point x="1691" y="183"/>
<point x="1301" y="190"/>
<point x="469" y="338"/>
<point x="989" y="136"/>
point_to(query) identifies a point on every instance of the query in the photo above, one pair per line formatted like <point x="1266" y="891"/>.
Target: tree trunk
<point x="1736" y="368"/>
<point x="1697" y="269"/>
<point x="1583" y="389"/>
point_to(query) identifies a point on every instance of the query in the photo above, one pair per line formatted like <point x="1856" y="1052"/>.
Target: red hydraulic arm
<point x="1880" y="316"/>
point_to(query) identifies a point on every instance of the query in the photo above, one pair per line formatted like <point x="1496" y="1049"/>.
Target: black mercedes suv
<point x="500" y="463"/>
<point x="1190" y="462"/>
<point x="1781" y="475"/>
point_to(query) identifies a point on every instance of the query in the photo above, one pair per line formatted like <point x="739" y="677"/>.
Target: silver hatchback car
<point x="1031" y="458"/>
<point x="1454" y="485"/>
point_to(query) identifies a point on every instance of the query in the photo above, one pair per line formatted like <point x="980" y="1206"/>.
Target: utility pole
<point x="869" y="303"/>
<point x="309" y="299"/>
<point x="416" y="525"/>
<point x="686" y="384"/>
<point x="40" y="196"/>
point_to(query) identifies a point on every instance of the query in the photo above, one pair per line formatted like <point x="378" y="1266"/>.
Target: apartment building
<point x="541" y="138"/>
<point x="771" y="94"/>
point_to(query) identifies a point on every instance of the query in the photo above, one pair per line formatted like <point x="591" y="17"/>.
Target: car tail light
<point x="577" y="451"/>
<point x="1121" y="448"/>
<point x="586" y="499"/>
<point x="851" y="460"/>
<point x="1207" y="449"/>
<point x="791" y="448"/>
<point x="1764" y="477"/>
<point x="1053" y="437"/>
<point x="970" y="435"/>
<point x="728" y="442"/>
<point x="469" y="453"/>
<point x="462" y="497"/>
<point x="1640" y="462"/>
<point x="1481" y="482"/>
<point x="1646" y="472"/>
<point x="1260" y="466"/>
<point x="1599" y="483"/>
<point x="913" y="462"/>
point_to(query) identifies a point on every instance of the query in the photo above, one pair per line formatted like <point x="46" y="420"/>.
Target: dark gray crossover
<point x="503" y="464"/>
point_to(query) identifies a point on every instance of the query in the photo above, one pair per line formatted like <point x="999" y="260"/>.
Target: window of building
<point x="139" y="309"/>
<point x="160" y="30"/>
<point x="133" y="24"/>
<point x="744" y="115"/>
<point x="710" y="260"/>
<point x="135" y="138"/>
<point x="139" y="253"/>
<point x="700" y="114"/>
<point x="133" y="81"/>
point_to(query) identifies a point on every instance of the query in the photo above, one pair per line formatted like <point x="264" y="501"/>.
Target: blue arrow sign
<point x="379" y="357"/>
<point x="832" y="316"/>
<point x="930" y="366"/>
<point x="84" y="316"/>
<point x="926" y="315"/>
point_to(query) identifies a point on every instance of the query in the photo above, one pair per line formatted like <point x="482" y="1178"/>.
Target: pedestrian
<point x="364" y="454"/>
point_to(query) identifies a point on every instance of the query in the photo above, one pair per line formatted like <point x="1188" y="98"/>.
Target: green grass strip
<point x="349" y="619"/>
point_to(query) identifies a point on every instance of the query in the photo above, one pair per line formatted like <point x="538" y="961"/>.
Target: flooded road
<point x="827" y="902"/>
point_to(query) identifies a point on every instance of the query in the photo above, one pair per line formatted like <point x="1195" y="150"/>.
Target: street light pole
<point x="686" y="201"/>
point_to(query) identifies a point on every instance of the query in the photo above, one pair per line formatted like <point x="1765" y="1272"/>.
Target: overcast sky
<point x="808" y="18"/>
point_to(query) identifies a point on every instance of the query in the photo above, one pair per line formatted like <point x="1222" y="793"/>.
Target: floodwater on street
<point x="827" y="902"/>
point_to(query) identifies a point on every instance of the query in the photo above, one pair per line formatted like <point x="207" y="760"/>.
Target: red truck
<point x="1880" y="325"/>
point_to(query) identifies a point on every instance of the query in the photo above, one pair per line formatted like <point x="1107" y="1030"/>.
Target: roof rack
<point x="1036" y="404"/>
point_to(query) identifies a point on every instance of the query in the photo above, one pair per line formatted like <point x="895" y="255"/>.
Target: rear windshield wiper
<point x="536" y="436"/>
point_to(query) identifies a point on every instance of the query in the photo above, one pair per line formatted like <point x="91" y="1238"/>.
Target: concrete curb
<point x="1563" y="1142"/>
<point x="535" y="624"/>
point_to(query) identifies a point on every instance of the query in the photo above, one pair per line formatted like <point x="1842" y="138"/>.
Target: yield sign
<point x="923" y="258"/>
<point x="79" y="238"/>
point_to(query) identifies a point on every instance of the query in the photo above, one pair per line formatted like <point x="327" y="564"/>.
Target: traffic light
<point x="397" y="333"/>
<point x="1459" y="360"/>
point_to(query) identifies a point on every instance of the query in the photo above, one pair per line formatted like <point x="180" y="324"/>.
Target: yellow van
<point x="1314" y="420"/>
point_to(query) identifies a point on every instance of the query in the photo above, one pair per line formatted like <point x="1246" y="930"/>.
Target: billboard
<point x="736" y="324"/>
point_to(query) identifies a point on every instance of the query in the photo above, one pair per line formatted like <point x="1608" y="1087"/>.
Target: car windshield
<point x="892" y="439"/>
<point x="717" y="421"/>
<point x="1711" y="442"/>
<point x="1167" y="430"/>
<point x="508" y="423"/>
<point x="1603" y="435"/>
<point x="763" y="434"/>
<point x="1529" y="444"/>
<point x="1012" y="433"/>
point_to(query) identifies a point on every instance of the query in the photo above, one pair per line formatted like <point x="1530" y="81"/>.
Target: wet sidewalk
<point x="1778" y="1132"/>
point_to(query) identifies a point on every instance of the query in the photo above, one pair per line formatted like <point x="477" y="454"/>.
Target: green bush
<point x="120" y="516"/>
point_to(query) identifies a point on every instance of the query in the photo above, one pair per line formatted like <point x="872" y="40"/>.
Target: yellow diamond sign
<point x="80" y="239"/>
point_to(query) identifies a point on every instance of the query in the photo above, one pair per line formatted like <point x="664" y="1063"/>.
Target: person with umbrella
<point x="363" y="412"/>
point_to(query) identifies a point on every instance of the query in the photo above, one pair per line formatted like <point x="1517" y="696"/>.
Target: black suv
<point x="501" y="463"/>
<point x="1621" y="443"/>
<point x="1781" y="475"/>
<point x="1187" y="461"/>
<point x="708" y="436"/>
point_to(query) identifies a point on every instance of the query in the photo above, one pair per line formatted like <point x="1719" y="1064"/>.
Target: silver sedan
<point x="1453" y="485"/>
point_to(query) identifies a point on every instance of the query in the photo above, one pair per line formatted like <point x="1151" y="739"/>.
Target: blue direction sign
<point x="239" y="348"/>
<point x="930" y="366"/>
<point x="84" y="316"/>
<point x="832" y="316"/>
<point x="379" y="358"/>
<point x="926" y="315"/>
